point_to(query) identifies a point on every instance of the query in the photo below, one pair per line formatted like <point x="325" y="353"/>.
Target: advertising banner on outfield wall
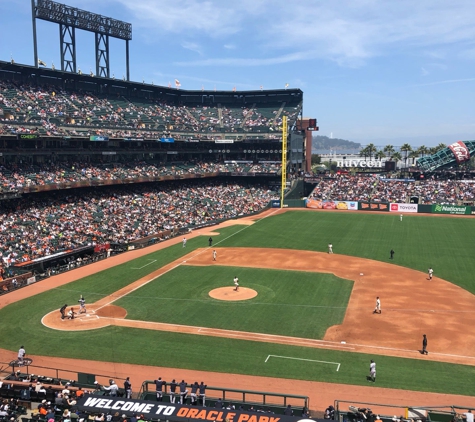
<point x="451" y="209"/>
<point x="373" y="206"/>
<point x="175" y="412"/>
<point x="403" y="207"/>
<point x="331" y="205"/>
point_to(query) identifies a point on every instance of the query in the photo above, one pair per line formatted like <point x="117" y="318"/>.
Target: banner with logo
<point x="175" y="412"/>
<point x="461" y="152"/>
<point x="451" y="209"/>
<point x="403" y="207"/>
<point x="331" y="205"/>
<point x="373" y="206"/>
<point x="97" y="138"/>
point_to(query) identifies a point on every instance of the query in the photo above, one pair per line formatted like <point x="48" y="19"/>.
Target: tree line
<point x="405" y="152"/>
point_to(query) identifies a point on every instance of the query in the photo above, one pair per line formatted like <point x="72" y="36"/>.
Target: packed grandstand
<point x="85" y="163"/>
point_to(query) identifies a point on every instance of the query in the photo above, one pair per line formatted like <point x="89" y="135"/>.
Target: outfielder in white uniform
<point x="330" y="248"/>
<point x="400" y="217"/>
<point x="184" y="242"/>
<point x="430" y="271"/>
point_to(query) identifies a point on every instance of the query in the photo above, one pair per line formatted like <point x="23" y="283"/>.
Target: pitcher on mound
<point x="236" y="284"/>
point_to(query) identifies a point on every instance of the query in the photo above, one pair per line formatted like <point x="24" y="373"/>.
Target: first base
<point x="361" y="274"/>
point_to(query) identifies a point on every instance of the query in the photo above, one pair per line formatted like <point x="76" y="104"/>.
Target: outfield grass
<point x="443" y="243"/>
<point x="419" y="242"/>
<point x="299" y="304"/>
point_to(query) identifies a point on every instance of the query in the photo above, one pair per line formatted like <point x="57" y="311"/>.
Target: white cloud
<point x="424" y="72"/>
<point x="192" y="47"/>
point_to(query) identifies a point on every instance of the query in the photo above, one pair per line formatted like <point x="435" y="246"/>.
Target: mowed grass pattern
<point x="299" y="304"/>
<point x="443" y="243"/>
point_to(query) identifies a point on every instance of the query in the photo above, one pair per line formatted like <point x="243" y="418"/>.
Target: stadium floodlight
<point x="71" y="18"/>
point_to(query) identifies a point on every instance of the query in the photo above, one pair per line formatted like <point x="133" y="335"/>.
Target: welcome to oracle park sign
<point x="360" y="163"/>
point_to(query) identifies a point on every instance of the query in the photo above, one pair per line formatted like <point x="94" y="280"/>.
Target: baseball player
<point x="430" y="271"/>
<point x="330" y="248"/>
<point x="214" y="255"/>
<point x="372" y="371"/>
<point x="159" y="383"/>
<point x="71" y="313"/>
<point x="377" y="308"/>
<point x="236" y="284"/>
<point x="82" y="305"/>
<point x="128" y="388"/>
<point x="63" y="311"/>
<point x="400" y="217"/>
<point x="184" y="242"/>
<point x="21" y="355"/>
<point x="424" y="345"/>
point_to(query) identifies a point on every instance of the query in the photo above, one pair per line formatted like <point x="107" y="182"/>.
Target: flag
<point x="262" y="87"/>
<point x="286" y="86"/>
<point x="177" y="83"/>
<point x="169" y="85"/>
<point x="41" y="63"/>
<point x="52" y="66"/>
<point x="202" y="87"/>
<point x="234" y="89"/>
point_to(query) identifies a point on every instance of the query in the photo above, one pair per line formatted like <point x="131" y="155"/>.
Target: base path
<point x="397" y="331"/>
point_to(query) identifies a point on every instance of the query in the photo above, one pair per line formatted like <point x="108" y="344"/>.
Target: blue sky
<point x="372" y="71"/>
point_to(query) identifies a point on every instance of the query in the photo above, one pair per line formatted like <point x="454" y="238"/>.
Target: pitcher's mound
<point x="112" y="311"/>
<point x="228" y="293"/>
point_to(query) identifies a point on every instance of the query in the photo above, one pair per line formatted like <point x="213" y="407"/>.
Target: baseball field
<point x="312" y="316"/>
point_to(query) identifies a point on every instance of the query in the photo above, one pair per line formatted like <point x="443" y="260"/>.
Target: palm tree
<point x="380" y="155"/>
<point x="364" y="152"/>
<point x="406" y="148"/>
<point x="422" y="150"/>
<point x="371" y="150"/>
<point x="440" y="147"/>
<point x="396" y="156"/>
<point x="389" y="149"/>
<point x="413" y="155"/>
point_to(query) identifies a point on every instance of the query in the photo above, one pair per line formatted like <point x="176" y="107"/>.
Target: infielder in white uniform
<point x="214" y="254"/>
<point x="430" y="271"/>
<point x="372" y="371"/>
<point x="377" y="308"/>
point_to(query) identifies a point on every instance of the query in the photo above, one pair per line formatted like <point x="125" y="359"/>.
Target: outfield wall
<point x="390" y="207"/>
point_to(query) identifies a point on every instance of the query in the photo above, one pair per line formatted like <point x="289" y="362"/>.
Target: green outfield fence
<point x="276" y="402"/>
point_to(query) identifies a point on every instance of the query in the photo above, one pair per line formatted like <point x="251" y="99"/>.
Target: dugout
<point x="264" y="400"/>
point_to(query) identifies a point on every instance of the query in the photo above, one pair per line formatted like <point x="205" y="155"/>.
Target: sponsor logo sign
<point x="175" y="412"/>
<point x="167" y="140"/>
<point x="373" y="206"/>
<point x="460" y="151"/>
<point x="224" y="141"/>
<point x="403" y="207"/>
<point x="360" y="163"/>
<point x="331" y="205"/>
<point x="451" y="209"/>
<point x="98" y="138"/>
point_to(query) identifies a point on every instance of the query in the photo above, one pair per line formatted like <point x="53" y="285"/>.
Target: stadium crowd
<point x="49" y="223"/>
<point x="53" y="111"/>
<point x="373" y="188"/>
<point x="17" y="177"/>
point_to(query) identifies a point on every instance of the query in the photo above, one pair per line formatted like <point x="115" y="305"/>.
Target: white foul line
<point x="143" y="266"/>
<point x="308" y="360"/>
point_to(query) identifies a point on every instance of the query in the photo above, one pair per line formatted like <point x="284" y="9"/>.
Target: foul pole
<point x="284" y="160"/>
